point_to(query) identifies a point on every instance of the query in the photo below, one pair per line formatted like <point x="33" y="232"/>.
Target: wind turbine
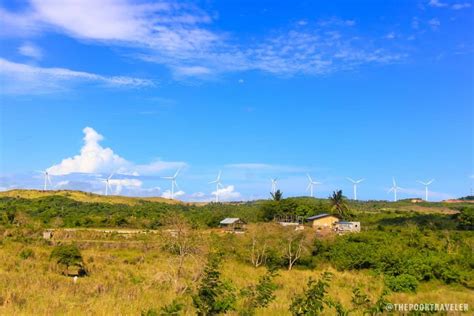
<point x="218" y="185"/>
<point x="107" y="183"/>
<point x="173" y="182"/>
<point x="394" y="189"/>
<point x="274" y="184"/>
<point x="311" y="184"/>
<point x="355" y="183"/>
<point x="47" y="179"/>
<point x="426" y="184"/>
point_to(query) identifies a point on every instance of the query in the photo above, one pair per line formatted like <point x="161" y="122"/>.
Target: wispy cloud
<point x="177" y="35"/>
<point x="30" y="50"/>
<point x="455" y="6"/>
<point x="18" y="78"/>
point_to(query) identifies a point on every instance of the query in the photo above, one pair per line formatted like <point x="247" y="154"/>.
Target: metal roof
<point x="312" y="218"/>
<point x="230" y="220"/>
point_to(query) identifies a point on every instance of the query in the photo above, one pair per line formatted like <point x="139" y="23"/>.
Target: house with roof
<point x="233" y="224"/>
<point x="323" y="221"/>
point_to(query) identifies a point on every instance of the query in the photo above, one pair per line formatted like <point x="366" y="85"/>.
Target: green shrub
<point x="402" y="283"/>
<point x="313" y="300"/>
<point x="26" y="253"/>
<point x="68" y="256"/>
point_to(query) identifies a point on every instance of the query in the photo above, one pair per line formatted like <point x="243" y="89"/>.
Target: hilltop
<point x="85" y="197"/>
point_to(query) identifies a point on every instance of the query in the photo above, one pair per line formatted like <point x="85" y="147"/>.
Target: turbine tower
<point x="173" y="182"/>
<point x="274" y="184"/>
<point x="107" y="183"/>
<point x="394" y="189"/>
<point x="47" y="179"/>
<point x="355" y="183"/>
<point x="218" y="185"/>
<point x="311" y="184"/>
<point x="426" y="184"/>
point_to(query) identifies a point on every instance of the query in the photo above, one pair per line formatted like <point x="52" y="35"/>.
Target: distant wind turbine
<point x="47" y="179"/>
<point x="274" y="184"/>
<point x="218" y="185"/>
<point x="173" y="182"/>
<point x="355" y="183"/>
<point x="426" y="184"/>
<point x="311" y="184"/>
<point x="394" y="189"/>
<point x="107" y="183"/>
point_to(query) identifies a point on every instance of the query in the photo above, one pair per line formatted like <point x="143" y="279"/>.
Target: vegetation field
<point x="153" y="258"/>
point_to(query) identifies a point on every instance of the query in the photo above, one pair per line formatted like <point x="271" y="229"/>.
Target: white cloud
<point x="176" y="35"/>
<point x="434" y="23"/>
<point x="459" y="6"/>
<point x="119" y="184"/>
<point x="20" y="78"/>
<point x="30" y="50"/>
<point x="167" y="194"/>
<point x="390" y="35"/>
<point x="437" y="3"/>
<point x="227" y="193"/>
<point x="93" y="158"/>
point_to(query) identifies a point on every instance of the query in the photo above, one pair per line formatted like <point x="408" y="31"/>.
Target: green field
<point x="151" y="258"/>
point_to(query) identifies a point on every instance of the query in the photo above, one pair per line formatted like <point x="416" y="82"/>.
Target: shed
<point x="347" y="227"/>
<point x="323" y="220"/>
<point x="48" y="234"/>
<point x="232" y="224"/>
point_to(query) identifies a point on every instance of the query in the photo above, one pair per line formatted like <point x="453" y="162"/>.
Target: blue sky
<point x="257" y="89"/>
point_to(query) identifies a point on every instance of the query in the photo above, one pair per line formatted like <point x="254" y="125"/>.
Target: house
<point x="347" y="227"/>
<point x="323" y="221"/>
<point x="289" y="220"/>
<point x="232" y="224"/>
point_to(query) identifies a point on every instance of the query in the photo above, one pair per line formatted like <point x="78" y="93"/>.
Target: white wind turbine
<point x="394" y="189"/>
<point x="47" y="179"/>
<point x="355" y="183"/>
<point x="311" y="184"/>
<point x="274" y="184"/>
<point x="107" y="183"/>
<point x="173" y="182"/>
<point x="426" y="184"/>
<point x="218" y="185"/>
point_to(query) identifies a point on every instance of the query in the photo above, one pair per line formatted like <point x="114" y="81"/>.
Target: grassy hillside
<point x="84" y="197"/>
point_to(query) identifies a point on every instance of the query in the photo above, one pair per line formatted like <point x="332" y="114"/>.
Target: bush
<point x="26" y="253"/>
<point x="68" y="256"/>
<point x="213" y="296"/>
<point x="312" y="301"/>
<point x="402" y="283"/>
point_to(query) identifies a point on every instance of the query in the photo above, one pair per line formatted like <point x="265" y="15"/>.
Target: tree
<point x="261" y="294"/>
<point x="294" y="245"/>
<point x="277" y="196"/>
<point x="213" y="296"/>
<point x="338" y="203"/>
<point x="68" y="256"/>
<point x="313" y="300"/>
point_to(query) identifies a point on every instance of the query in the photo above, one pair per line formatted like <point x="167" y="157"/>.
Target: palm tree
<point x="277" y="195"/>
<point x="338" y="203"/>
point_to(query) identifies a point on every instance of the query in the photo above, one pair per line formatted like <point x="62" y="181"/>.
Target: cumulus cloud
<point x="437" y="3"/>
<point x="30" y="50"/>
<point x="227" y="193"/>
<point x="20" y="78"/>
<point x="167" y="194"/>
<point x="94" y="158"/>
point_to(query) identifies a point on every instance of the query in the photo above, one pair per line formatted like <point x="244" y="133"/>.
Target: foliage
<point x="261" y="294"/>
<point x="313" y="300"/>
<point x="338" y="204"/>
<point x="402" y="283"/>
<point x="466" y="218"/>
<point x="172" y="309"/>
<point x="214" y="296"/>
<point x="26" y="253"/>
<point x="69" y="256"/>
<point x="277" y="196"/>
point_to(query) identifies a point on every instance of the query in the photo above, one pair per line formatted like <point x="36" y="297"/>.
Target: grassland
<point x="132" y="269"/>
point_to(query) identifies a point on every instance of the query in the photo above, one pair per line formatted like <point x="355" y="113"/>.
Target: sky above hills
<point x="257" y="89"/>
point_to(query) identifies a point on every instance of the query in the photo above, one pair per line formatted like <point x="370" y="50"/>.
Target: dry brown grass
<point x="125" y="280"/>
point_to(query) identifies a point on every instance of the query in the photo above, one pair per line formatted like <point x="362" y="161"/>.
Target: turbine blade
<point x="351" y="180"/>
<point x="309" y="177"/>
<point x="431" y="181"/>
<point x="177" y="172"/>
<point x="360" y="180"/>
<point x="308" y="187"/>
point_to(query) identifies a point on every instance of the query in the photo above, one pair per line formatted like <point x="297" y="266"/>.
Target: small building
<point x="48" y="234"/>
<point x="289" y="220"/>
<point x="347" y="227"/>
<point x="232" y="224"/>
<point x="323" y="221"/>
